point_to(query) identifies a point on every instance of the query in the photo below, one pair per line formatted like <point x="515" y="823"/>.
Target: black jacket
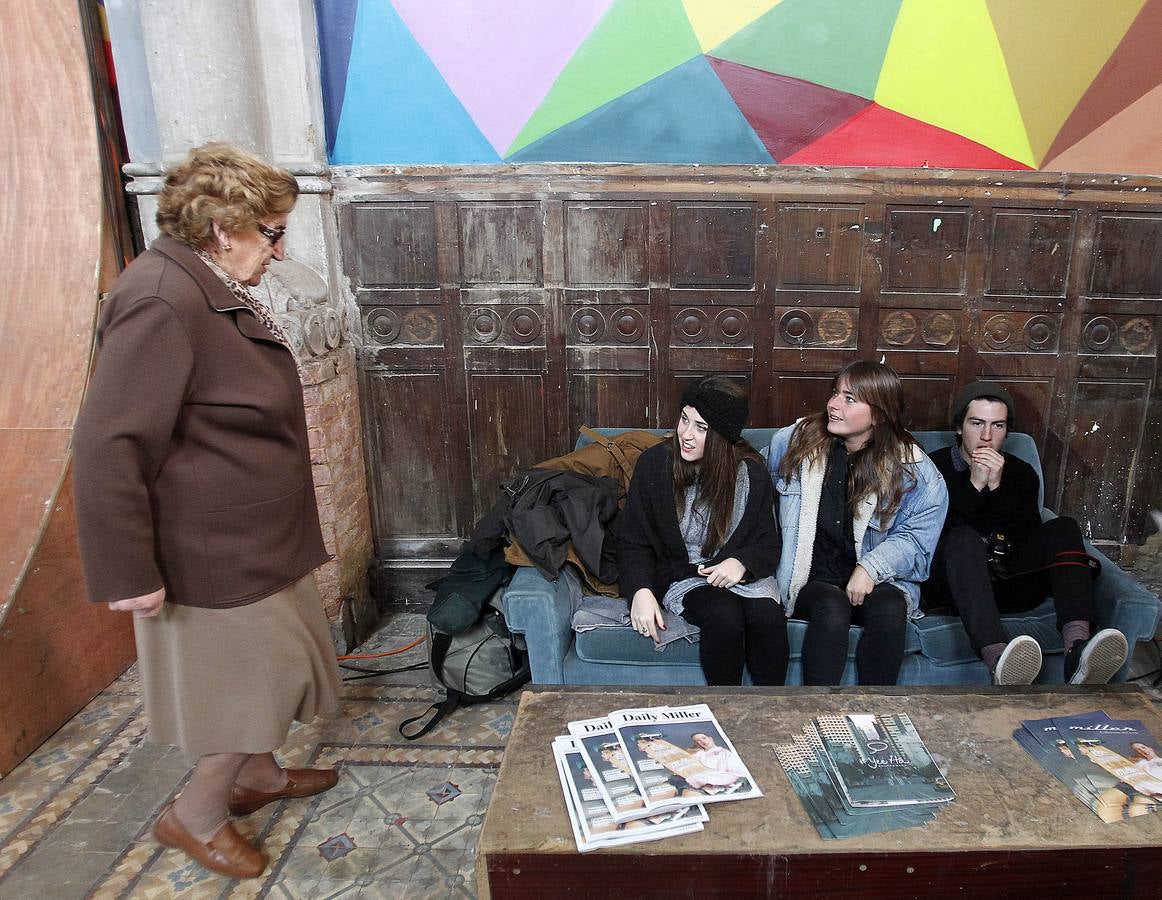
<point x="1011" y="509"/>
<point x="546" y="511"/>
<point x="650" y="550"/>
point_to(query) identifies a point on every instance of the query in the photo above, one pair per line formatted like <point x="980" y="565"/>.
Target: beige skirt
<point x="233" y="680"/>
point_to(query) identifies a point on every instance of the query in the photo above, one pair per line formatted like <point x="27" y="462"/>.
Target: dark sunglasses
<point x="274" y="235"/>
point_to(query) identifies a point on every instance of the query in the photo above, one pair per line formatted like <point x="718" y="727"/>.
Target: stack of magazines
<point x="1113" y="766"/>
<point x="860" y="774"/>
<point x="646" y="774"/>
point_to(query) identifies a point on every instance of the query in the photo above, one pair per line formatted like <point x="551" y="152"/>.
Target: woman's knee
<point x="886" y="610"/>
<point x="717" y="612"/>
<point x="831" y="616"/>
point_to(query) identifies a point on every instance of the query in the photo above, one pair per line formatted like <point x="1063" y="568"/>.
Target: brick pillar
<point x="330" y="391"/>
<point x="318" y="330"/>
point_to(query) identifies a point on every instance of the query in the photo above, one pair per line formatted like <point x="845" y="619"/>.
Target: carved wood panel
<point x="1107" y="424"/>
<point x="500" y="243"/>
<point x="498" y="318"/>
<point x="409" y="456"/>
<point x="1029" y="253"/>
<point x="606" y="244"/>
<point x="820" y="247"/>
<point x="927" y="250"/>
<point x="712" y="244"/>
<point x="506" y="431"/>
<point x="1127" y="259"/>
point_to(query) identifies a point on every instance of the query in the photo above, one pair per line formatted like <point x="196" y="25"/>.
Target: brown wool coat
<point x="191" y="463"/>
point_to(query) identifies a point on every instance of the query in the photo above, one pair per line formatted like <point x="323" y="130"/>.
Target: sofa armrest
<point x="1123" y="603"/>
<point x="542" y="611"/>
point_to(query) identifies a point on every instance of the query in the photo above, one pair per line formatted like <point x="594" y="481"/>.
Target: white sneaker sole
<point x="1020" y="662"/>
<point x="1102" y="657"/>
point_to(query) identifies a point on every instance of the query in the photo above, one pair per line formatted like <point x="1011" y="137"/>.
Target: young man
<point x="996" y="555"/>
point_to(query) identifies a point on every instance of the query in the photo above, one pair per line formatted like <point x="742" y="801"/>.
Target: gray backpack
<point x="481" y="663"/>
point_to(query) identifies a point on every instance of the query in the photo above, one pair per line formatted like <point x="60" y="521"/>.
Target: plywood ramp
<point x="56" y="649"/>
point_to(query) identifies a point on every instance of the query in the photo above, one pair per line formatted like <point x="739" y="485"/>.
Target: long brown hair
<point x="878" y="467"/>
<point x="715" y="473"/>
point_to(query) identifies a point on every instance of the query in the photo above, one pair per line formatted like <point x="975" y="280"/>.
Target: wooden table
<point x="1013" y="830"/>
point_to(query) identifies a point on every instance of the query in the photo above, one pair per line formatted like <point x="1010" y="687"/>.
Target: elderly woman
<point x="195" y="505"/>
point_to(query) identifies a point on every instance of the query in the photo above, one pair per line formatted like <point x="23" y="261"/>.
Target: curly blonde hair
<point x="218" y="183"/>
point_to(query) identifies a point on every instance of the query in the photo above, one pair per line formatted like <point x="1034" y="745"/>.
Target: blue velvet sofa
<point x="937" y="650"/>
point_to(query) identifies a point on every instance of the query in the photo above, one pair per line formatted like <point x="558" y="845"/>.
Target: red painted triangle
<point x="786" y="113"/>
<point x="877" y="136"/>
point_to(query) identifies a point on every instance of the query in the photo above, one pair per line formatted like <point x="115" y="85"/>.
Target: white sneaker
<point x="1019" y="663"/>
<point x="1097" y="659"/>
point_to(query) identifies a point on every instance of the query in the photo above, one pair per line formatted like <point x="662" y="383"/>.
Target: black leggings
<point x="736" y="631"/>
<point x="829" y="614"/>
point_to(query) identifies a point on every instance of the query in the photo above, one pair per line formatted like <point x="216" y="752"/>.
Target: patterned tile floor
<point x="402" y="822"/>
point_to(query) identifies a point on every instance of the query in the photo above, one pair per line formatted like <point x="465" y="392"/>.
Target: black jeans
<point x="829" y="614"/>
<point x="1050" y="563"/>
<point x="736" y="631"/>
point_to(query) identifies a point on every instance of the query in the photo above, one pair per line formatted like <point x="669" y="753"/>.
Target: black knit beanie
<point x="975" y="391"/>
<point x="723" y="412"/>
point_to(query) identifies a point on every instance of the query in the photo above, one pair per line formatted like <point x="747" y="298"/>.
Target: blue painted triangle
<point x="397" y="108"/>
<point x="683" y="116"/>
<point x="336" y="24"/>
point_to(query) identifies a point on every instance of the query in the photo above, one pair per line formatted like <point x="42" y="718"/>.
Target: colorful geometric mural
<point x="988" y="84"/>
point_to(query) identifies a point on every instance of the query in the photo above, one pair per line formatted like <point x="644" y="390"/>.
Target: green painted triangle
<point x="635" y="42"/>
<point x="836" y="43"/>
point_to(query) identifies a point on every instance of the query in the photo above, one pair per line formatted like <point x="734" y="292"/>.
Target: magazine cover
<point x="1121" y="749"/>
<point x="1110" y="799"/>
<point x="815" y="757"/>
<point x="1087" y="781"/>
<point x="598" y="743"/>
<point x="1057" y="762"/>
<point x="880" y="760"/>
<point x="681" y="753"/>
<point x="826" y="811"/>
<point x="589" y="818"/>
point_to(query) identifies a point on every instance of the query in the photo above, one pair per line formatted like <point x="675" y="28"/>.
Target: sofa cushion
<point x="625" y="646"/>
<point x="945" y="642"/>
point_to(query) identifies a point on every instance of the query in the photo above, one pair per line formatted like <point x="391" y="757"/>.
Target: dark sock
<point x="991" y="654"/>
<point x="1072" y="632"/>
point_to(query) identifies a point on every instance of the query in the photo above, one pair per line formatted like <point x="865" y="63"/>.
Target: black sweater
<point x="1011" y="509"/>
<point x="650" y="550"/>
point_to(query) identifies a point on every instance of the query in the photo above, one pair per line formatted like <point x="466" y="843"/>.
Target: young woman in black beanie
<point x="698" y="539"/>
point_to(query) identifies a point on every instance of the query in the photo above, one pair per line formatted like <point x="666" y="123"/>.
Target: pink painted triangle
<point x="786" y="113"/>
<point x="876" y="136"/>
<point x="500" y="59"/>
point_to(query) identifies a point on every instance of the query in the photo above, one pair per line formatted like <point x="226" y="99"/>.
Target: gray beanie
<point x="976" y="391"/>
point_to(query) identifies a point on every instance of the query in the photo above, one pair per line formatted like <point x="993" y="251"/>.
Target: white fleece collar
<point x="811" y="474"/>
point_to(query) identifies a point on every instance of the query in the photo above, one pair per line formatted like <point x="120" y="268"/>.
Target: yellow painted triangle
<point x="1053" y="50"/>
<point x="714" y="21"/>
<point x="944" y="66"/>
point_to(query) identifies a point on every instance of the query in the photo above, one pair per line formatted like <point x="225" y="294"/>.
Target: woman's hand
<point x="725" y="574"/>
<point x="859" y="585"/>
<point x="646" y="615"/>
<point x="142" y="607"/>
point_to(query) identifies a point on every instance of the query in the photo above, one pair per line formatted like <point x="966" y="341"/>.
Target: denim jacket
<point x="897" y="552"/>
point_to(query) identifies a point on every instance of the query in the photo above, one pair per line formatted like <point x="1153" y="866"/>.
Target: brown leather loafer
<point x="299" y="783"/>
<point x="227" y="852"/>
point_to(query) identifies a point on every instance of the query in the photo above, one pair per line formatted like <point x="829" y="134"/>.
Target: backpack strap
<point x="441" y="641"/>
<point x="453" y="699"/>
<point x="442" y="708"/>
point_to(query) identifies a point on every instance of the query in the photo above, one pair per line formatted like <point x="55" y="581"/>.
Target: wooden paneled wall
<point x="503" y="307"/>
